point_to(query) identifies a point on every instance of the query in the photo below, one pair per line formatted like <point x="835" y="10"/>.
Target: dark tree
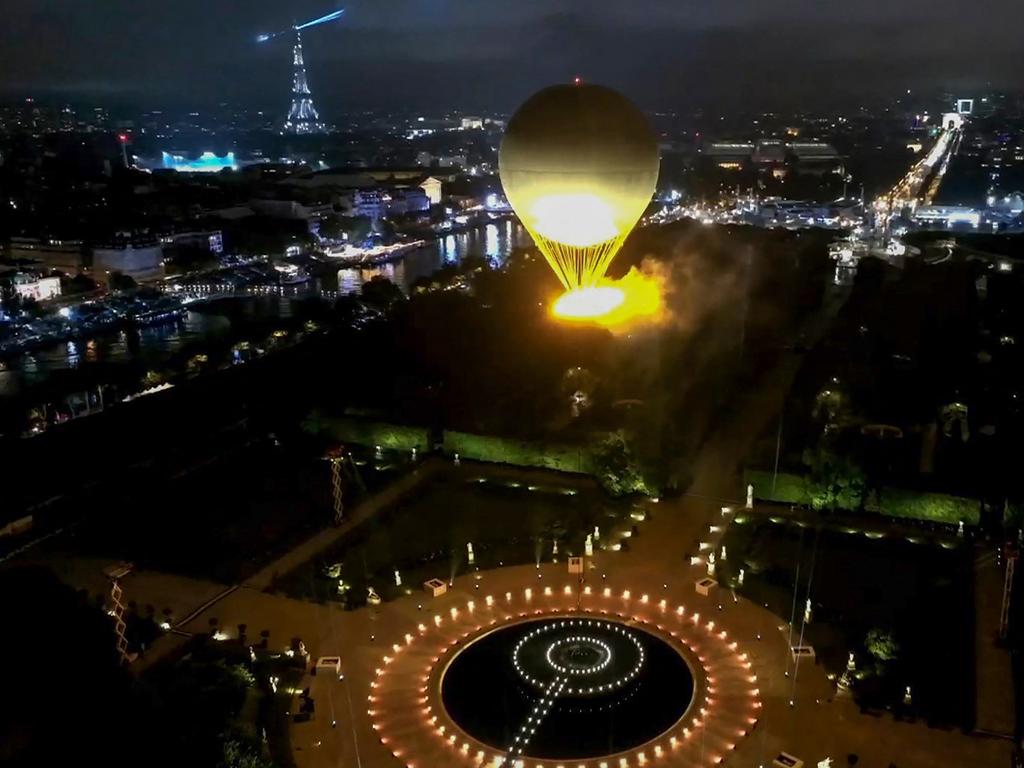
<point x="121" y="283"/>
<point x="63" y="684"/>
<point x="381" y="293"/>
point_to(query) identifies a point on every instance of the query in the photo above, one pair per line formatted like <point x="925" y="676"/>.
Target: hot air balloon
<point x="579" y="164"/>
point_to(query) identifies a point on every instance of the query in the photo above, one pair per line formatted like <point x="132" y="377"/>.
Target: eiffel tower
<point x="302" y="117"/>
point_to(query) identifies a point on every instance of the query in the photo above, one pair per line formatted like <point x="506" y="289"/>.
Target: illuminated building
<point x="403" y="184"/>
<point x="369" y="203"/>
<point x="36" y="287"/>
<point x="770" y="152"/>
<point x="211" y="240"/>
<point x="947" y="215"/>
<point x="729" y="155"/>
<point x="434" y="189"/>
<point x="815" y="157"/>
<point x="951" y="121"/>
<point x="140" y="261"/>
<point x="207" y="162"/>
<point x="379" y="202"/>
<point x="65" y="255"/>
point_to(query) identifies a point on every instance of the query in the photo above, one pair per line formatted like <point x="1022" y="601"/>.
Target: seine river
<point x="493" y="242"/>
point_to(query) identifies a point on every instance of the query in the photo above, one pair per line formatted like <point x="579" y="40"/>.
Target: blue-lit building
<point x="207" y="162"/>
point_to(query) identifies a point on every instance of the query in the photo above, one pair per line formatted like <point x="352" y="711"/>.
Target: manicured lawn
<point x="425" y="534"/>
<point x="920" y="592"/>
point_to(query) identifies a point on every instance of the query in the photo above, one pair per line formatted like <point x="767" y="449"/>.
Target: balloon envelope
<point x="579" y="164"/>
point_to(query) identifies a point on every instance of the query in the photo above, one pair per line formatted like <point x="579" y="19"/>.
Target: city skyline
<point x="490" y="55"/>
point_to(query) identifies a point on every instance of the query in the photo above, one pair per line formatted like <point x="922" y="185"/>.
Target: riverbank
<point x="225" y="315"/>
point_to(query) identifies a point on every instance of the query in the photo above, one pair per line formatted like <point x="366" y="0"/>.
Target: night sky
<point x="491" y="53"/>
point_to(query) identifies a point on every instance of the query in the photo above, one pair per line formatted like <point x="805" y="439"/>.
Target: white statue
<point x="469" y="552"/>
<point x="372" y="597"/>
<point x="807" y="611"/>
<point x="750" y="496"/>
<point x="398" y="578"/>
<point x="588" y="546"/>
<point x="378" y="453"/>
<point x="711" y="564"/>
<point x="597" y="533"/>
<point x="743" y="573"/>
<point x="724" y="554"/>
<point x="554" y="547"/>
<point x="457" y="460"/>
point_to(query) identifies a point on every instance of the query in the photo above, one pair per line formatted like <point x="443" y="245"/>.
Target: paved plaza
<point x="818" y="725"/>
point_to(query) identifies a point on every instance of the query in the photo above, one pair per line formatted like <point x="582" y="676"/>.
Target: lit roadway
<point x="921" y="183"/>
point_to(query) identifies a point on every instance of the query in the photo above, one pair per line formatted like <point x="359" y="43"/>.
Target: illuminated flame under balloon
<point x="636" y="299"/>
<point x="588" y="303"/>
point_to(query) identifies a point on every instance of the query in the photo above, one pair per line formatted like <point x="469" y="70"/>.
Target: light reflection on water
<point x="494" y="242"/>
<point x="449" y="248"/>
<point x="150" y="343"/>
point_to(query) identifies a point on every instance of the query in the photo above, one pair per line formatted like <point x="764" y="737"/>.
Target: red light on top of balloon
<point x="123" y="138"/>
<point x="577" y="80"/>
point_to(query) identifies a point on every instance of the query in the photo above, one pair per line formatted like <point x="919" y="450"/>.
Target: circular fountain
<point x="567" y="688"/>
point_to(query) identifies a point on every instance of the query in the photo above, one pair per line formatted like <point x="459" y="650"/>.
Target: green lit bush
<point x="502" y="450"/>
<point x="394" y="437"/>
<point x="894" y="502"/>
<point x="788" y="488"/>
<point x="933" y="507"/>
<point x="615" y="466"/>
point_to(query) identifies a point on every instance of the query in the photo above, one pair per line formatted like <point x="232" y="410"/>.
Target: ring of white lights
<point x="603" y="650"/>
<point x="407" y="712"/>
<point x="586" y="633"/>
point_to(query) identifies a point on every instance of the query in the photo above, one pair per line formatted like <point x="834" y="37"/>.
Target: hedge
<point x="789" y="489"/>
<point x="895" y="502"/>
<point x="373" y="433"/>
<point x="498" y="450"/>
<point x="501" y="450"/>
<point x="934" y="507"/>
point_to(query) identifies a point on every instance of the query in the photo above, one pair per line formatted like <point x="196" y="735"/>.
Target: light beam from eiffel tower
<point x="303" y="117"/>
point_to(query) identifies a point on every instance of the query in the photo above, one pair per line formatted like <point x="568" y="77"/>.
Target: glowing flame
<point x="635" y="299"/>
<point x="588" y="303"/>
